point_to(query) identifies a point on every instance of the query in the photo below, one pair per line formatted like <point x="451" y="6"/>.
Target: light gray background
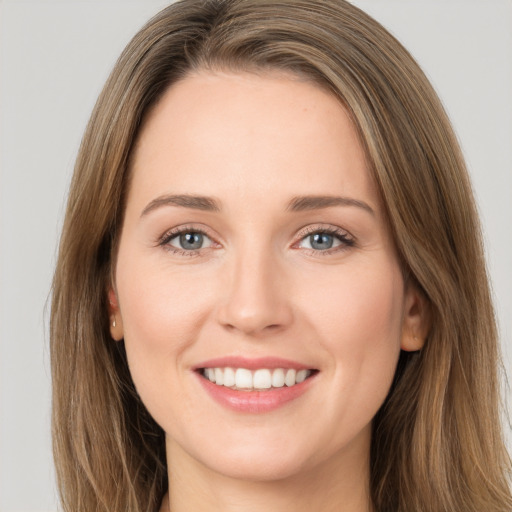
<point x="55" y="56"/>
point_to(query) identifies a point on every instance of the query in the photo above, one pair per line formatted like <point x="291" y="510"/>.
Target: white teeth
<point x="229" y="377"/>
<point x="262" y="379"/>
<point x="289" y="379"/>
<point x="241" y="378"/>
<point x="278" y="378"/>
<point x="300" y="377"/>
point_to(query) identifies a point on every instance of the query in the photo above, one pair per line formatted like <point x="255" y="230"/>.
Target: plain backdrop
<point x="55" y="56"/>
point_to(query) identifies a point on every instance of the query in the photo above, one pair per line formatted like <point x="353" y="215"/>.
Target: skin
<point x="257" y="288"/>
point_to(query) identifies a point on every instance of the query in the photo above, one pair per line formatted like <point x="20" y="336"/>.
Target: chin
<point x="259" y="467"/>
<point x="262" y="457"/>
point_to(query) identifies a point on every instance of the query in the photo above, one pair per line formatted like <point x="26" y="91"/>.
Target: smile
<point x="243" y="379"/>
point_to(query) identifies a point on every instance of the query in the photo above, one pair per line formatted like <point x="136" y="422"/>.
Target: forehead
<point x="249" y="135"/>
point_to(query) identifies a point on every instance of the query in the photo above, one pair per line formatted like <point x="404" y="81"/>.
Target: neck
<point x="338" y="484"/>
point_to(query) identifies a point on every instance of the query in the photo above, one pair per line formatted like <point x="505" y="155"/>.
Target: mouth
<point x="255" y="385"/>
<point x="261" y="379"/>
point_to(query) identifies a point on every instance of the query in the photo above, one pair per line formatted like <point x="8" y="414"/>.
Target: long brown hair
<point x="437" y="444"/>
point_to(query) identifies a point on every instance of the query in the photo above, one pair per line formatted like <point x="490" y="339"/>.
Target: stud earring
<point x="114" y="322"/>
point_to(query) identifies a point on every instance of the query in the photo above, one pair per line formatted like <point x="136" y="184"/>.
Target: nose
<point x="256" y="301"/>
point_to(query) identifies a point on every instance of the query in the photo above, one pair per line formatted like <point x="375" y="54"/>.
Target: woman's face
<point x="255" y="252"/>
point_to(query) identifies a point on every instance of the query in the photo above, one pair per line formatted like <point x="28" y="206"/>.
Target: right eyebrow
<point x="185" y="201"/>
<point x="305" y="203"/>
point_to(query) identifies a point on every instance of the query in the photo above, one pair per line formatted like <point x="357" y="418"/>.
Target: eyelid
<point x="164" y="239"/>
<point x="347" y="239"/>
<point x="311" y="229"/>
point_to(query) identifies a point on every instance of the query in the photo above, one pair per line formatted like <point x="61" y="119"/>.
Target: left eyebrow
<point x="305" y="203"/>
<point x="185" y="201"/>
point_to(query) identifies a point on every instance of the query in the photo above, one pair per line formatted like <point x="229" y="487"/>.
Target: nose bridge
<point x="256" y="298"/>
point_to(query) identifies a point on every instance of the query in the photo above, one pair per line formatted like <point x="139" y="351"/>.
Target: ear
<point x="114" y="314"/>
<point x="416" y="319"/>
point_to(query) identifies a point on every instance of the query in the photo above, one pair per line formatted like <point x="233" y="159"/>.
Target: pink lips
<point x="253" y="401"/>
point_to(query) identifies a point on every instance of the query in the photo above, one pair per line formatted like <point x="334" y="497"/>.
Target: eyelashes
<point x="187" y="241"/>
<point x="324" y="240"/>
<point x="190" y="240"/>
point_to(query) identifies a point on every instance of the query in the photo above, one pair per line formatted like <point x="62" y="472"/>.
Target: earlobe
<point x="416" y="320"/>
<point x="116" y="322"/>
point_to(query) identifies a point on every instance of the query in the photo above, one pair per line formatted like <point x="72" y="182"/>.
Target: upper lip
<point x="251" y="363"/>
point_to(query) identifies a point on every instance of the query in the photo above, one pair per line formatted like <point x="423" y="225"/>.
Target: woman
<point x="271" y="290"/>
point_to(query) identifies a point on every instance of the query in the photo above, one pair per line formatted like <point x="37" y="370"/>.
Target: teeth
<point x="289" y="379"/>
<point x="262" y="379"/>
<point x="241" y="378"/>
<point x="229" y="377"/>
<point x="278" y="378"/>
<point x="301" y="376"/>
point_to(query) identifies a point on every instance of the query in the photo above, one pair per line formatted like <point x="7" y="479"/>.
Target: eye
<point x="326" y="240"/>
<point x="320" y="241"/>
<point x="187" y="240"/>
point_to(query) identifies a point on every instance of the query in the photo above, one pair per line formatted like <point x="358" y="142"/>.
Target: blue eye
<point x="321" y="241"/>
<point x="189" y="241"/>
<point x="325" y="240"/>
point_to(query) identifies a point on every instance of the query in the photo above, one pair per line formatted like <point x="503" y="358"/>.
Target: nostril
<point x="253" y="329"/>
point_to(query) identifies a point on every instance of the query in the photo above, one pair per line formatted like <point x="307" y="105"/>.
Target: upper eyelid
<point x="178" y="230"/>
<point x="301" y="233"/>
<point x="345" y="237"/>
<point x="323" y="228"/>
<point x="164" y="240"/>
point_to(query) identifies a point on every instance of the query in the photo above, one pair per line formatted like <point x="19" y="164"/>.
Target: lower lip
<point x="255" y="402"/>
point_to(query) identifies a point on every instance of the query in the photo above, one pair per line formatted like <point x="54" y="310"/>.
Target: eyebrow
<point x="297" y="204"/>
<point x="185" y="201"/>
<point x="305" y="203"/>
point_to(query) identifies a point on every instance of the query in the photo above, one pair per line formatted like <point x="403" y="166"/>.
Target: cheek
<point x="157" y="301"/>
<point x="359" y="321"/>
<point x="356" y="305"/>
<point x="162" y="314"/>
